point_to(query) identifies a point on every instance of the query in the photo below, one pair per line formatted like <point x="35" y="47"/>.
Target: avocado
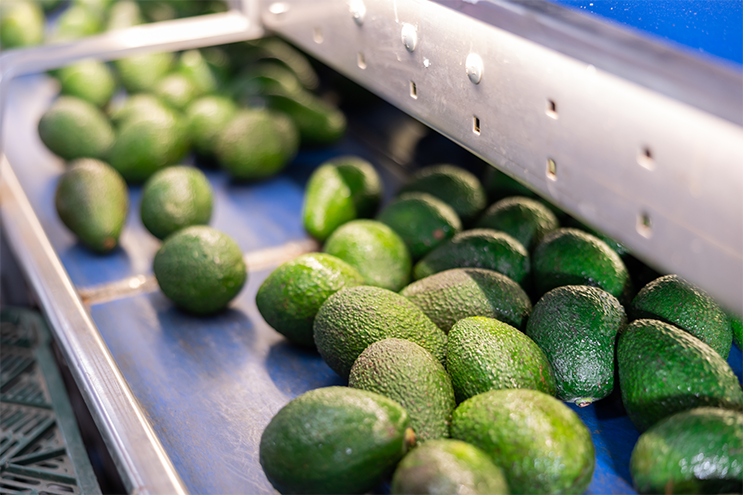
<point x="93" y="202"/>
<point x="674" y="300"/>
<point x="176" y="91"/>
<point x="696" y="451"/>
<point x="276" y="51"/>
<point x="206" y="117"/>
<point x="478" y="248"/>
<point x="448" y="466"/>
<point x="90" y="80"/>
<point x="541" y="445"/>
<point x="572" y="257"/>
<point x="257" y="144"/>
<point x="339" y="191"/>
<point x="334" y="440"/>
<point x="736" y="324"/>
<point x="200" y="269"/>
<point x="454" y="186"/>
<point x="205" y="77"/>
<point x="615" y="245"/>
<point x="452" y="295"/>
<point x="124" y="14"/>
<point x="74" y="128"/>
<point x="664" y="370"/>
<point x="407" y="373"/>
<point x="526" y="220"/>
<point x="486" y="354"/>
<point x="421" y="220"/>
<point x="262" y="78"/>
<point x="77" y="21"/>
<point x="499" y="185"/>
<point x="318" y="123"/>
<point x="577" y="326"/>
<point x="21" y="24"/>
<point x="175" y="198"/>
<point x="292" y="294"/>
<point x="142" y="72"/>
<point x="375" y="250"/>
<point x="133" y="106"/>
<point x="149" y="139"/>
<point x="354" y="318"/>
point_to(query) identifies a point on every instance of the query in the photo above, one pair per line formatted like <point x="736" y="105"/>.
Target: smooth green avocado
<point x="526" y="220"/>
<point x="292" y="294"/>
<point x="74" y="128"/>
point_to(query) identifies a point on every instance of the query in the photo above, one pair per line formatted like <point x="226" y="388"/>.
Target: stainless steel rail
<point x="134" y="446"/>
<point x="637" y="140"/>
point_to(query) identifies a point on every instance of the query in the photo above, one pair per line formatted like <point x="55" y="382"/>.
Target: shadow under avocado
<point x="296" y="370"/>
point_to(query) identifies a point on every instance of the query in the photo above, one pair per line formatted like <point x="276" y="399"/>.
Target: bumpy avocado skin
<point x="454" y="186"/>
<point x="354" y="318"/>
<point x="92" y="200"/>
<point x="478" y="248"/>
<point x="333" y="440"/>
<point x="452" y="295"/>
<point x="423" y="221"/>
<point x="577" y="326"/>
<point x="375" y="250"/>
<point x="736" y="324"/>
<point x="664" y="370"/>
<point x="526" y="220"/>
<point x="678" y="302"/>
<point x="292" y="295"/>
<point x="573" y="257"/>
<point x="407" y="373"/>
<point x="542" y="446"/>
<point x="486" y="354"/>
<point x="200" y="269"/>
<point x="696" y="451"/>
<point x="448" y="466"/>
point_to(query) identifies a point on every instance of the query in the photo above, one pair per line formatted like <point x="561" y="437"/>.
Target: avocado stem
<point x="409" y="438"/>
<point x="584" y="402"/>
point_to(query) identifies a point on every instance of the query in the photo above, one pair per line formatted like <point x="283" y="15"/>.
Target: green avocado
<point x="318" y="123"/>
<point x="176" y="90"/>
<point x="678" y="302"/>
<point x="375" y="250"/>
<point x="90" y="80"/>
<point x="454" y="186"/>
<point x="21" y="24"/>
<point x="77" y="21"/>
<point x="541" y="445"/>
<point x="292" y="294"/>
<point x="142" y="72"/>
<point x="354" y="318"/>
<point x="407" y="373"/>
<point x="423" y="221"/>
<point x="452" y="295"/>
<point x="696" y="451"/>
<point x="486" y="354"/>
<point x="736" y="324"/>
<point x="335" y="440"/>
<point x="74" y="128"/>
<point x="340" y="190"/>
<point x="175" y="198"/>
<point x="124" y="14"/>
<point x="526" y="220"/>
<point x="206" y="117"/>
<point x="200" y="269"/>
<point x="577" y="326"/>
<point x="478" y="248"/>
<point x="448" y="467"/>
<point x="572" y="257"/>
<point x="148" y="139"/>
<point x="257" y="144"/>
<point x="93" y="202"/>
<point x="664" y="370"/>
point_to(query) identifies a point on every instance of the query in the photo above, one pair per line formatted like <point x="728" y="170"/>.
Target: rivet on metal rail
<point x="409" y="37"/>
<point x="358" y="11"/>
<point x="474" y="67"/>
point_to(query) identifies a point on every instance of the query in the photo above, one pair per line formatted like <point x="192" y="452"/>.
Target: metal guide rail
<point x="640" y="141"/>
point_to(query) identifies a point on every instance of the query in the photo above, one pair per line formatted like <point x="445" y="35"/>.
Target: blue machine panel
<point x="702" y="26"/>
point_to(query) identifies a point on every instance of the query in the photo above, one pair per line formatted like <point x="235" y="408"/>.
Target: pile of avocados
<point x="463" y="329"/>
<point x="244" y="108"/>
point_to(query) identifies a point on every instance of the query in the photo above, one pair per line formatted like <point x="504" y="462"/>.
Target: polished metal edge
<point x="133" y="444"/>
<point x="259" y="260"/>
<point x="661" y="176"/>
<point x="709" y="84"/>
